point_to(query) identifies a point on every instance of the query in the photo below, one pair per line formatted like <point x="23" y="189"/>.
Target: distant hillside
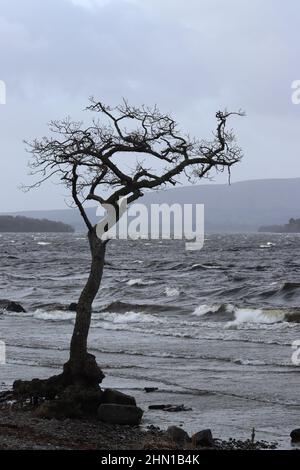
<point x="26" y="224"/>
<point x="292" y="227"/>
<point x="240" y="207"/>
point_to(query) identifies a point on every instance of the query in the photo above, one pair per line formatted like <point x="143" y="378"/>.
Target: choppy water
<point x="212" y="329"/>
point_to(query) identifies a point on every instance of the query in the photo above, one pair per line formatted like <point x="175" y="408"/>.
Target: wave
<point x="31" y="363"/>
<point x="236" y="292"/>
<point x="266" y="318"/>
<point x="40" y="314"/>
<point x="203" y="357"/>
<point x="124" y="318"/>
<point x="248" y="315"/>
<point x="199" y="266"/>
<point x="290" y="286"/>
<point x="236" y="316"/>
<point x="286" y="291"/>
<point x="211" y="317"/>
<point x="44" y="362"/>
<point x="223" y="311"/>
<point x="267" y="245"/>
<point x="124" y="326"/>
<point x="172" y="292"/>
<point x="98" y="317"/>
<point x="251" y="362"/>
<point x="205" y="309"/>
<point x="119" y="307"/>
<point x="139" y="282"/>
<point x="167" y="264"/>
<point x="20" y="277"/>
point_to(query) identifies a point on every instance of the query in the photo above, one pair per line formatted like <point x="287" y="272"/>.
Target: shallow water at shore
<point x="211" y="329"/>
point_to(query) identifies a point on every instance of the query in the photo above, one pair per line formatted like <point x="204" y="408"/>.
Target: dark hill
<point x="241" y="207"/>
<point x="9" y="223"/>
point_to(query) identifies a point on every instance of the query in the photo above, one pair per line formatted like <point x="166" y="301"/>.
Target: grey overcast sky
<point x="190" y="57"/>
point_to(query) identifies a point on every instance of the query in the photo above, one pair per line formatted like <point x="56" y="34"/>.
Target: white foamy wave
<point x="249" y="362"/>
<point x="43" y="243"/>
<point x="204" y="309"/>
<point x="127" y="317"/>
<point x="139" y="282"/>
<point x="205" y="266"/>
<point x="135" y="282"/>
<point x="55" y="315"/>
<point x="16" y="314"/>
<point x="214" y="308"/>
<point x="172" y="292"/>
<point x="267" y="245"/>
<point x="248" y="315"/>
<point x="39" y="314"/>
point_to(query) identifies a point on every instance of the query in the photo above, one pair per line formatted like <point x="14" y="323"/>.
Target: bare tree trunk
<point x="82" y="367"/>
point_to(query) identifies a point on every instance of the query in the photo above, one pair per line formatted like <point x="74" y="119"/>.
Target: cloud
<point x="191" y="58"/>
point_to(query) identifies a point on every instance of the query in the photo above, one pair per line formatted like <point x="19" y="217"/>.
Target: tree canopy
<point x="86" y="157"/>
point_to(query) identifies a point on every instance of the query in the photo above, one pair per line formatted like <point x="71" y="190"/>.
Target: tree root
<point x="73" y="394"/>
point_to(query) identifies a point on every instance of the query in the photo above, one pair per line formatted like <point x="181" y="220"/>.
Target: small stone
<point x="120" y="414"/>
<point x="150" y="389"/>
<point x="158" y="407"/>
<point x="203" y="438"/>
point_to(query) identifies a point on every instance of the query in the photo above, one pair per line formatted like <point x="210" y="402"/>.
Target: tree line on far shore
<point x="10" y="223"/>
<point x="292" y="227"/>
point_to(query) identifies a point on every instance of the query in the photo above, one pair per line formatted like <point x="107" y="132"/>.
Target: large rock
<point x="11" y="306"/>
<point x="72" y="402"/>
<point x="120" y="414"/>
<point x="114" y="396"/>
<point x="295" y="435"/>
<point x="203" y="438"/>
<point x="178" y="435"/>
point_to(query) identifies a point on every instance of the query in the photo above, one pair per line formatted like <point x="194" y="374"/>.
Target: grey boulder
<point x="114" y="396"/>
<point x="203" y="438"/>
<point x="11" y="306"/>
<point x="178" y="435"/>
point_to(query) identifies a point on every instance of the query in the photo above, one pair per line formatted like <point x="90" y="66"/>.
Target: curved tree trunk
<point x="82" y="367"/>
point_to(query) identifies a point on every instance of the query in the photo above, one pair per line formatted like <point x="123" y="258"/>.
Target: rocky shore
<point x="21" y="429"/>
<point x="30" y="419"/>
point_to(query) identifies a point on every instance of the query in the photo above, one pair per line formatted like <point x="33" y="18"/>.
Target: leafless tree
<point x="90" y="162"/>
